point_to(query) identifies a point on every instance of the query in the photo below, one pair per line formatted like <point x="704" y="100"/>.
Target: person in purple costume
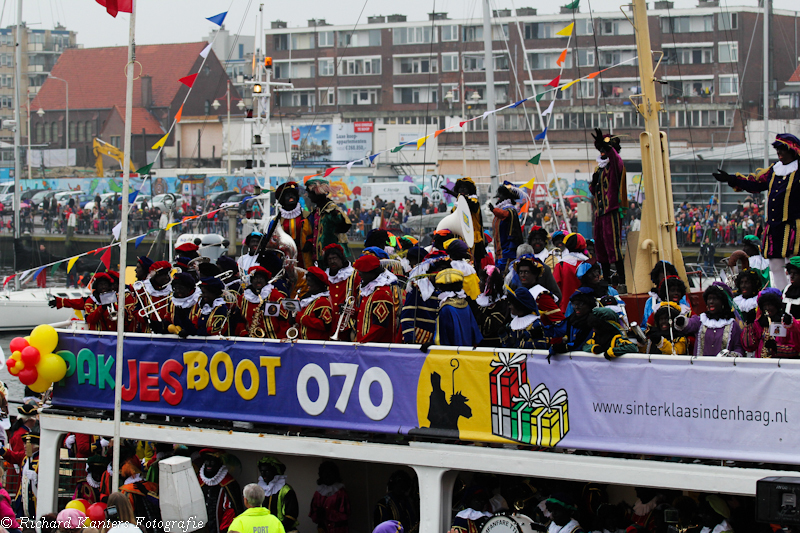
<point x="717" y="329"/>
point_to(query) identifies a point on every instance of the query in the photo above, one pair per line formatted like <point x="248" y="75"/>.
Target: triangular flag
<point x="179" y="114"/>
<point x="329" y="171"/>
<point x="516" y="104"/>
<point x="562" y="58"/>
<point x="573" y="5"/>
<point x="115" y="6"/>
<point x="461" y="124"/>
<point x="71" y="263"/>
<point x="486" y="114"/>
<point x="139" y="240"/>
<point x="188" y="80"/>
<point x="438" y="132"/>
<point x="593" y="75"/>
<point x="555" y="81"/>
<point x="539" y="97"/>
<point x="570" y="84"/>
<point x="204" y="53"/>
<point x="421" y="141"/>
<point x="541" y="136"/>
<point x="106" y="258"/>
<point x="532" y="182"/>
<point x="400" y="147"/>
<point x="218" y="19"/>
<point x="549" y="109"/>
<point x="41" y="269"/>
<point x="534" y="161"/>
<point x="7" y="279"/>
<point x="116" y="230"/>
<point x="566" y="32"/>
<point x="25" y="275"/>
<point x="172" y="225"/>
<point x="54" y="268"/>
<point x="351" y="163"/>
<point x="145" y="170"/>
<point x="372" y="158"/>
<point x="161" y="142"/>
<point x="132" y="197"/>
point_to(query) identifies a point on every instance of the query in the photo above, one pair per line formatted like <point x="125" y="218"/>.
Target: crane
<point x="101" y="148"/>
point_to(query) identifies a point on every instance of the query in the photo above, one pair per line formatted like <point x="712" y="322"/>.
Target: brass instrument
<point x="256" y="329"/>
<point x="737" y="262"/>
<point x="348" y="310"/>
<point x="112" y="311"/>
<point x="637" y="333"/>
<point x="292" y="333"/>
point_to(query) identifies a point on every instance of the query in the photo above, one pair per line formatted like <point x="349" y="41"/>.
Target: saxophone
<point x="256" y="328"/>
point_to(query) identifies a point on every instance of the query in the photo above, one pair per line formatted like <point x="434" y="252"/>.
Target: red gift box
<point x="508" y="374"/>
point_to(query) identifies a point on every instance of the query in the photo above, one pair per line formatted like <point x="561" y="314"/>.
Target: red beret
<point x="160" y="265"/>
<point x="319" y="274"/>
<point x="102" y="275"/>
<point x="333" y="247"/>
<point x="367" y="263"/>
<point x="259" y="268"/>
<point x="187" y="247"/>
<point x="114" y="275"/>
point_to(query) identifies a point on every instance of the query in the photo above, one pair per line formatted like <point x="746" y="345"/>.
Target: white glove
<point x="69" y="442"/>
<point x="103" y="442"/>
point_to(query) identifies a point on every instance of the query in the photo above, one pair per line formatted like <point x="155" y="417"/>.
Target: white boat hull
<point x="26" y="309"/>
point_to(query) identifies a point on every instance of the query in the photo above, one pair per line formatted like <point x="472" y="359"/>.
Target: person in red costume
<point x="566" y="271"/>
<point x="254" y="323"/>
<point x="26" y="421"/>
<point x="222" y="493"/>
<point x="344" y="282"/>
<point x="330" y="506"/>
<point x="294" y="223"/>
<point x="377" y="302"/>
<point x="315" y="318"/>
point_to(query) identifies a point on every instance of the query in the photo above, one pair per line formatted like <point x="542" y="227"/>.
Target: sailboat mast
<point x="765" y="79"/>
<point x="488" y="64"/>
<point x="17" y="136"/>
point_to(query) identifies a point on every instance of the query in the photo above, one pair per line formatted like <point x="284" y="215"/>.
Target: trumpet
<point x="348" y="310"/>
<point x="112" y="311"/>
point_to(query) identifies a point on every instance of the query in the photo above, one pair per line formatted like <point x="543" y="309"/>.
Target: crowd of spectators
<point x="694" y="224"/>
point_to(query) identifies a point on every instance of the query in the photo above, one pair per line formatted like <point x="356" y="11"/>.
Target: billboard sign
<point x="331" y="144"/>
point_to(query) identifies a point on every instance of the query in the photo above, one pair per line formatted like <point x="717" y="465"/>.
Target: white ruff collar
<point x="472" y="514"/>
<point x="715" y="323"/>
<point x="746" y="304"/>
<point x="343" y="274"/>
<point x="463" y="266"/>
<point x="92" y="483"/>
<point x="426" y="288"/>
<point x="213" y="481"/>
<point x="758" y="262"/>
<point x="189" y="301"/>
<point x="450" y="294"/>
<point x="572" y="258"/>
<point x="305" y="302"/>
<point x="133" y="479"/>
<point x="327" y="490"/>
<point x="273" y="486"/>
<point x="602" y="163"/>
<point x="420" y="269"/>
<point x="208" y="308"/>
<point x="522" y="322"/>
<point x="383" y="279"/>
<point x="541" y="256"/>
<point x="784" y="170"/>
<point x="294" y="213"/>
<point x="152" y="291"/>
<point x="404" y="262"/>
<point x="251" y="297"/>
<point x="505" y="203"/>
<point x="484" y="300"/>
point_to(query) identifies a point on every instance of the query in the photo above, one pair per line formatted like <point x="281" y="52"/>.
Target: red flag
<point x="115" y="6"/>
<point x="41" y="279"/>
<point x="461" y="124"/>
<point x="106" y="258"/>
<point x="555" y="82"/>
<point x="188" y="80"/>
<point x="328" y="172"/>
<point x="8" y="278"/>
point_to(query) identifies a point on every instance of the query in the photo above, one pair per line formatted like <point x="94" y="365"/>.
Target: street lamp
<point x="66" y="128"/>
<point x="216" y="105"/>
<point x="40" y="112"/>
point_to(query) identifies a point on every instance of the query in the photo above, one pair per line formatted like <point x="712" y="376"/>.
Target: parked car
<point x="40" y="196"/>
<point x="167" y="200"/>
<point x="141" y="199"/>
<point x="218" y="198"/>
<point x="81" y="198"/>
<point x="106" y="200"/>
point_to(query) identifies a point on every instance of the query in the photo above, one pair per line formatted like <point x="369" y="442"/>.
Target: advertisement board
<point x="331" y="144"/>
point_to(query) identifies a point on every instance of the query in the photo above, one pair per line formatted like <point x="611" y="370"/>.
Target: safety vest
<point x="256" y="520"/>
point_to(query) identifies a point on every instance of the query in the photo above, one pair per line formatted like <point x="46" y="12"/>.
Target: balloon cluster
<point x="94" y="512"/>
<point x="33" y="361"/>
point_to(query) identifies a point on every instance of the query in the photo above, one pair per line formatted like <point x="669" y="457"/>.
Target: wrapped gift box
<point x="501" y="421"/>
<point x="551" y="420"/>
<point x="508" y="374"/>
<point x="521" y="427"/>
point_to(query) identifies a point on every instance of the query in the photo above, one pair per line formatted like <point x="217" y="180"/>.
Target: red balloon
<point x="28" y="375"/>
<point x="18" y="344"/>
<point x="10" y="364"/>
<point x="30" y="356"/>
<point x="96" y="512"/>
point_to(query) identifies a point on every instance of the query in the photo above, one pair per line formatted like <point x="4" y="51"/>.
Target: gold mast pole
<point x="657" y="235"/>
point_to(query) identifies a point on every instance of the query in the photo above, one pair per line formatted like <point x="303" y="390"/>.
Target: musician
<point x="329" y="223"/>
<point x="791" y="293"/>
<point x="25" y="500"/>
<point x="657" y="275"/>
<point x="185" y="264"/>
<point x="254" y="322"/>
<point x="158" y="291"/>
<point x="455" y="324"/>
<point x="609" y="337"/>
<point x="95" y="311"/>
<point x="89" y="487"/>
<point x="673" y="289"/>
<point x="183" y="309"/>
<point x="421" y="306"/>
<point x="566" y="271"/>
<point x="524" y="329"/>
<point x="491" y="306"/>
<point x="294" y="223"/>
<point x="377" y="302"/>
<point x="716" y="329"/>
<point x="461" y="261"/>
<point x="250" y="250"/>
<point x="213" y="316"/>
<point x="756" y="336"/>
<point x="610" y="198"/>
<point x="562" y="508"/>
<point x="188" y="249"/>
<point x="230" y="270"/>
<point x="344" y="280"/>
<point x="662" y="336"/>
<point x="590" y="275"/>
<point x="578" y="328"/>
<point x="506" y="227"/>
<point x="782" y="216"/>
<point x="538" y="238"/>
<point x="529" y="269"/>
<point x="466" y="187"/>
<point x="143" y="264"/>
<point x="316" y="317"/>
<point x="748" y="284"/>
<point x="756" y="261"/>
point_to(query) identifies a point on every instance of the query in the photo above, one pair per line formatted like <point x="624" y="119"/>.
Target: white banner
<point x="52" y="158"/>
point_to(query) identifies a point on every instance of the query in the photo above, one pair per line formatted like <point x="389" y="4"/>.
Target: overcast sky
<point x="171" y="21"/>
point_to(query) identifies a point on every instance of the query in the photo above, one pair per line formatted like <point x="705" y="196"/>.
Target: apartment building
<point x="235" y="52"/>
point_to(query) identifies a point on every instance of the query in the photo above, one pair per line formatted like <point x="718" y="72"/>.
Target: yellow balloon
<point x="16" y="356"/>
<point x="51" y="367"/>
<point x="28" y="338"/>
<point x="17" y="368"/>
<point x="87" y="522"/>
<point x="75" y="504"/>
<point x="44" y="337"/>
<point x="40" y="385"/>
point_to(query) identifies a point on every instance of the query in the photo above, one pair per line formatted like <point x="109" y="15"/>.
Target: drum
<point x="516" y="523"/>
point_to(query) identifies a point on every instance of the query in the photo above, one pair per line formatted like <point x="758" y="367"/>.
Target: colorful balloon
<point x="96" y="512"/>
<point x="44" y="337"/>
<point x="52" y="367"/>
<point x="30" y="356"/>
<point x="18" y="344"/>
<point x="10" y="363"/>
<point x="18" y="367"/>
<point x="77" y="504"/>
<point x="40" y="385"/>
<point x="16" y="356"/>
<point x="28" y="376"/>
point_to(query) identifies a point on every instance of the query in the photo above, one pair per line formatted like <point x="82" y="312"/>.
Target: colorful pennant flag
<point x="421" y="141"/>
<point x="400" y="147"/>
<point x="531" y="182"/>
<point x="562" y="58"/>
<point x="116" y="230"/>
<point x="139" y="240"/>
<point x="54" y="268"/>
<point x="540" y="96"/>
<point x="172" y="225"/>
<point x="351" y="163"/>
<point x="566" y="32"/>
<point x="555" y="81"/>
<point x="549" y="109"/>
<point x="71" y="263"/>
<point x="206" y="50"/>
<point x="115" y="6"/>
<point x="145" y="170"/>
<point x="106" y="258"/>
<point x="329" y="171"/>
<point x="438" y="132"/>
<point x="218" y="19"/>
<point x="188" y="80"/>
<point x="372" y="158"/>
<point x="7" y="279"/>
<point x="461" y="124"/>
<point x="541" y="136"/>
<point x="517" y="104"/>
<point x="570" y="84"/>
<point x="179" y="114"/>
<point x="161" y="142"/>
<point x="534" y="161"/>
<point x="573" y="5"/>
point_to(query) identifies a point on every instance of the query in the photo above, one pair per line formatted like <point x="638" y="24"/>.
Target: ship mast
<point x="657" y="235"/>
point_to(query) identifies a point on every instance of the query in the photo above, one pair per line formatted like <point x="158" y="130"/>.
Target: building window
<point x="302" y="41"/>
<point x="359" y="96"/>
<point x="547" y="60"/>
<point x="415" y="95"/>
<point x="241" y="51"/>
<point x="46" y="132"/>
<point x="501" y="62"/>
<point x="413" y="35"/>
<point x="361" y="66"/>
<point x="415" y="65"/>
<point x="449" y="33"/>
<point x="301" y="69"/>
<point x="584" y="27"/>
<point x="615" y="27"/>
<point x="281" y="42"/>
<point x="72" y="131"/>
<point x="354" y="39"/>
<point x="585" y="58"/>
<point x="326" y="96"/>
<point x="687" y="24"/>
<point x="609" y="58"/>
<point x="207" y="107"/>
<point x="40" y="133"/>
<point x="296" y="99"/>
<point x="472" y="33"/>
<point x="729" y="85"/>
<point x="89" y="133"/>
<point x="728" y="21"/>
<point x="728" y="52"/>
<point x="326" y="67"/>
<point x="80" y="137"/>
<point x="115" y="141"/>
<point x="688" y="56"/>
<point x="449" y="62"/>
<point x="586" y="89"/>
<point x="538" y="30"/>
<point x="325" y="39"/>
<point x="55" y="132"/>
<point x="473" y="63"/>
